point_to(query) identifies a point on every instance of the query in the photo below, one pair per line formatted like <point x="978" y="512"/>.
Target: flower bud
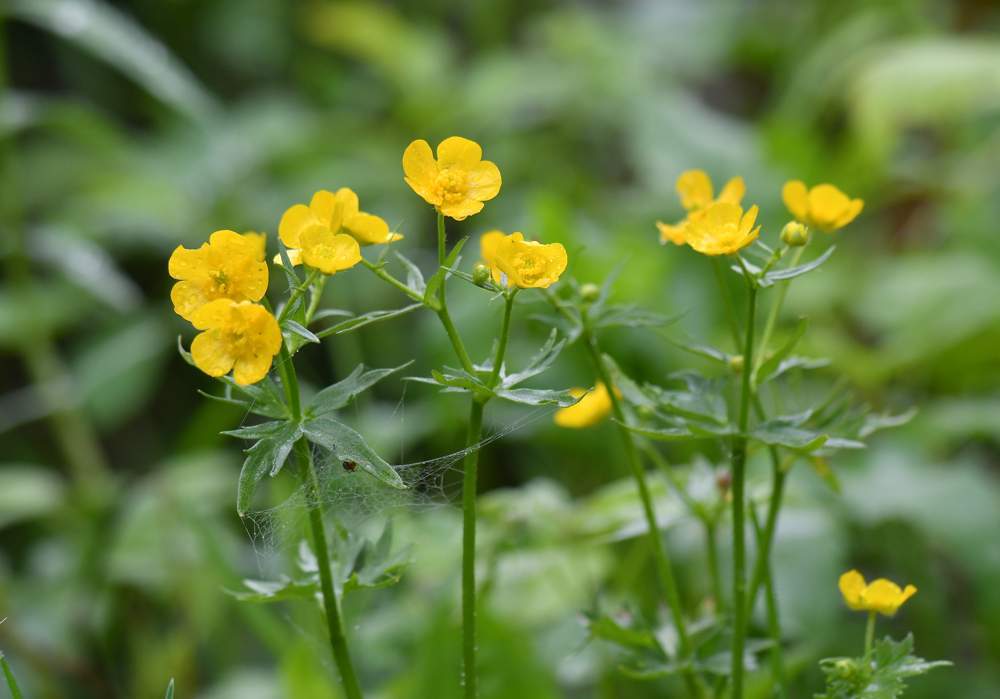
<point x="589" y="292"/>
<point x="645" y="412"/>
<point x="736" y="363"/>
<point x="794" y="234"/>
<point x="480" y="274"/>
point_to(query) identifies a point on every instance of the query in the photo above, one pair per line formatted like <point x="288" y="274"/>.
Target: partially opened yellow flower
<point x="228" y="266"/>
<point x="882" y="596"/>
<point x="458" y="182"/>
<point x="327" y="233"/>
<point x="824" y="206"/>
<point x="241" y="337"/>
<point x="514" y="261"/>
<point x="696" y="193"/>
<point x="722" y="228"/>
<point x="593" y="406"/>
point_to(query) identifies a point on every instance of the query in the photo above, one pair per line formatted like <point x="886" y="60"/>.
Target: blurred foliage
<point x="128" y="128"/>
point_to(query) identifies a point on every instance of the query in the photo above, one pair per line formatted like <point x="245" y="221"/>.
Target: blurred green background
<point x="130" y="127"/>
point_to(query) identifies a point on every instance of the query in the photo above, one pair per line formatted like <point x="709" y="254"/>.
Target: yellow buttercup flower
<point x="228" y="266"/>
<point x="824" y="206"/>
<point x="239" y="336"/>
<point x="694" y="187"/>
<point x="722" y="228"/>
<point x="458" y="182"/>
<point x="882" y="596"/>
<point x="593" y="407"/>
<point x="328" y="233"/>
<point x="527" y="264"/>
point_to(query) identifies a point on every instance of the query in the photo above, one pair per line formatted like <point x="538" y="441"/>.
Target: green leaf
<point x="331" y="313"/>
<point x="115" y="38"/>
<point x="347" y="445"/>
<point x="341" y="393"/>
<point x="414" y="277"/>
<point x="435" y="282"/>
<point x="666" y="434"/>
<point x="367" y="319"/>
<point x="536" y="396"/>
<point x="277" y="590"/>
<point x="170" y="690"/>
<point x="28" y="491"/>
<point x="770" y="366"/>
<point x="783" y="433"/>
<point x="705" y="351"/>
<point x="630" y="316"/>
<point x="700" y="399"/>
<point x="539" y="363"/>
<point x="300" y="330"/>
<point x="256" y="432"/>
<point x="878" y="675"/>
<point x="267" y="456"/>
<point x="777" y="275"/>
<point x="607" y="629"/>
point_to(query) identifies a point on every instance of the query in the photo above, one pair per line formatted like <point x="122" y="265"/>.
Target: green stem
<point x="470" y="471"/>
<point x="870" y="632"/>
<point x="659" y="553"/>
<point x="772" y="316"/>
<point x="504" y="333"/>
<point x="296" y="293"/>
<point x="773" y="622"/>
<point x="442" y="310"/>
<point x="380" y="272"/>
<point x="739" y="497"/>
<point x="727" y="301"/>
<point x="315" y="297"/>
<point x="15" y="691"/>
<point x="331" y="605"/>
<point x="712" y="554"/>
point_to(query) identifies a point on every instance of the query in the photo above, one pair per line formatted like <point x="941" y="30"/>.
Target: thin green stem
<point x="442" y="310"/>
<point x="331" y="605"/>
<point x="739" y="498"/>
<point x="773" y="622"/>
<point x="380" y="272"/>
<point x="469" y="477"/>
<point x="296" y="293"/>
<point x="315" y="297"/>
<point x="660" y="557"/>
<point x="870" y="632"/>
<point x="712" y="555"/>
<point x="727" y="301"/>
<point x="504" y="333"/>
<point x="772" y="316"/>
<point x="15" y="691"/>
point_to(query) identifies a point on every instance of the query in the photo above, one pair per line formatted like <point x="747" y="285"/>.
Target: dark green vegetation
<point x="117" y="492"/>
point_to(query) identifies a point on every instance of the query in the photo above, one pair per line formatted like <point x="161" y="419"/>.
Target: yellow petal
<point x="458" y="152"/>
<point x="262" y="341"/>
<point x="483" y="180"/>
<point x="593" y="407"/>
<point x="322" y="205"/>
<point x="420" y="171"/>
<point x="695" y="189"/>
<point x="347" y="206"/>
<point x="883" y="596"/>
<point x="672" y="234"/>
<point x="219" y="313"/>
<point x="211" y="353"/>
<point x="733" y="191"/>
<point x="327" y="252"/>
<point x="748" y="219"/>
<point x="293" y="222"/>
<point x="852" y="587"/>
<point x="827" y="204"/>
<point x="294" y="256"/>
<point x="367" y="229"/>
<point x="850" y="213"/>
<point x="188" y="297"/>
<point x="461" y="210"/>
<point x="796" y="198"/>
<point x="251" y="369"/>
<point x="187" y="264"/>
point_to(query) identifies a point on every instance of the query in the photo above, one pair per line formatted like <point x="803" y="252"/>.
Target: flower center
<point x="529" y="268"/>
<point x="450" y="186"/>
<point x="220" y="279"/>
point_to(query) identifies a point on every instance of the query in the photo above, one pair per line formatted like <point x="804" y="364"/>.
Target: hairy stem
<point x="739" y="498"/>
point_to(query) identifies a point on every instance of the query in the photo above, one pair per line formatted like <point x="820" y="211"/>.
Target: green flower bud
<point x="480" y="274"/>
<point x="589" y="292"/>
<point x="736" y="363"/>
<point x="794" y="234"/>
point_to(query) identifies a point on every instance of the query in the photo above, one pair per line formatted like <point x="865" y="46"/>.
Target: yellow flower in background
<point x="458" y="182"/>
<point x="593" y="407"/>
<point x="228" y="266"/>
<point x="882" y="596"/>
<point x="326" y="234"/>
<point x="694" y="187"/>
<point x="239" y="336"/>
<point x="824" y="206"/>
<point x="722" y="229"/>
<point x="527" y="264"/>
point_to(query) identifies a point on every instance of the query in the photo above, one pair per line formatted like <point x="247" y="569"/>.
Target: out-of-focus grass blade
<point x="170" y="690"/>
<point x="15" y="691"/>
<point x="115" y="38"/>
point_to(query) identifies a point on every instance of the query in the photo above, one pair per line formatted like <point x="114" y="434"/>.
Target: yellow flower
<point x="882" y="596"/>
<point x="238" y="336"/>
<point x="228" y="266"/>
<point x="527" y="264"/>
<point x="326" y="234"/>
<point x="824" y="206"/>
<point x="722" y="228"/>
<point x="458" y="182"/>
<point x="593" y="407"/>
<point x="696" y="193"/>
